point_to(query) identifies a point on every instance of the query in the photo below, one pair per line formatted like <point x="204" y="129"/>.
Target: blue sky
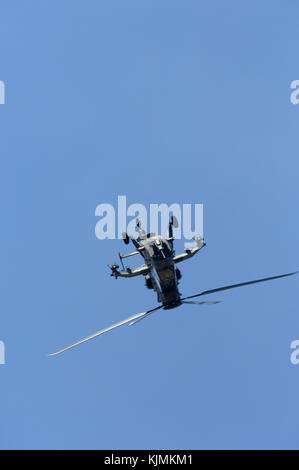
<point x="168" y="101"/>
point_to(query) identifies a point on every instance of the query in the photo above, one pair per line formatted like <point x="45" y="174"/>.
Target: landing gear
<point x="148" y="282"/>
<point x="178" y="274"/>
<point x="126" y="238"/>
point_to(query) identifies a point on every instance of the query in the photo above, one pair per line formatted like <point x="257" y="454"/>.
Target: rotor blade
<point x="200" y="303"/>
<point x="211" y="291"/>
<point x="98" y="333"/>
<point x="144" y="316"/>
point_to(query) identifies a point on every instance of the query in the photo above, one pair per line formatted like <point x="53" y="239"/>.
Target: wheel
<point x="126" y="238"/>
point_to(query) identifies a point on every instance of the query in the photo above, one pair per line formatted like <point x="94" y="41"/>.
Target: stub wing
<point x="190" y="252"/>
<point x="131" y="272"/>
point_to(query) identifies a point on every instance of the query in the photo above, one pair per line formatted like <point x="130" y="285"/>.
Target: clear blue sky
<point x="166" y="101"/>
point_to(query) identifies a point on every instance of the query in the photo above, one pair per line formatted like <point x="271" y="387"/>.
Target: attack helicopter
<point x="161" y="274"/>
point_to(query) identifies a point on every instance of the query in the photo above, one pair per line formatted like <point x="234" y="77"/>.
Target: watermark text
<point x="294" y="97"/>
<point x="113" y="222"/>
<point x="2" y="92"/>
<point x="2" y="352"/>
<point x="294" y="358"/>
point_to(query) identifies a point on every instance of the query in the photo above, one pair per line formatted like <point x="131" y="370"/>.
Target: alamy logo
<point x="294" y="358"/>
<point x="2" y="92"/>
<point x="2" y="353"/>
<point x="294" y="97"/>
<point x="189" y="217"/>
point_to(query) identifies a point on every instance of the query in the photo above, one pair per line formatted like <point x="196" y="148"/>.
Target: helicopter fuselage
<point x="159" y="269"/>
<point x="162" y="272"/>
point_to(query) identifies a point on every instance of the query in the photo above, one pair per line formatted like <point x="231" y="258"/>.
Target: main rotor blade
<point x="144" y="316"/>
<point x="211" y="291"/>
<point x="212" y="302"/>
<point x="104" y="330"/>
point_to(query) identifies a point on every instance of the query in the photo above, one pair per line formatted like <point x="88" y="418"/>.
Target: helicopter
<point x="161" y="274"/>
